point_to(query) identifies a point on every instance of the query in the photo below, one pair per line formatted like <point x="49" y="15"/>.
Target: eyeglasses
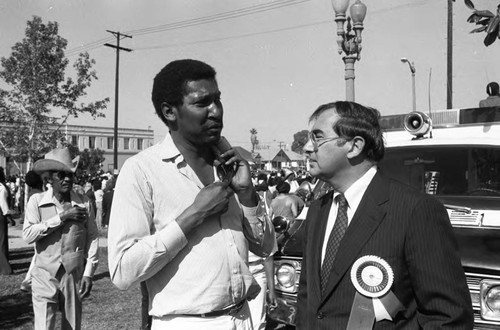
<point x="318" y="142"/>
<point x="61" y="175"/>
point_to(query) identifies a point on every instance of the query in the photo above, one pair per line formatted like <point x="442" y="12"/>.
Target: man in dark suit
<point x="369" y="214"/>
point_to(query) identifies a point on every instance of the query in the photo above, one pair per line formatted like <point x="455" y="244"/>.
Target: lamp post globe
<point x="340" y="6"/>
<point x="358" y="12"/>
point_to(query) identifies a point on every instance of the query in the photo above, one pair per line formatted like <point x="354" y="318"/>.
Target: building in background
<point x="130" y="142"/>
<point x="278" y="158"/>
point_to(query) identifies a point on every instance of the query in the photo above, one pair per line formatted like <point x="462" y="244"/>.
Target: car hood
<point x="478" y="245"/>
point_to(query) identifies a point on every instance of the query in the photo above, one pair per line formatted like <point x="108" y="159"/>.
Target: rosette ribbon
<point x="374" y="301"/>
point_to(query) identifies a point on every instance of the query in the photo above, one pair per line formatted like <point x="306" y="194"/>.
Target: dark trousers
<point x="5" y="268"/>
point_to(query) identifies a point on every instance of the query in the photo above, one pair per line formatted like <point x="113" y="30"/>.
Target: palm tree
<point x="253" y="138"/>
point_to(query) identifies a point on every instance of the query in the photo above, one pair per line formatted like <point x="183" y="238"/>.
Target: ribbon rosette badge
<point x="372" y="277"/>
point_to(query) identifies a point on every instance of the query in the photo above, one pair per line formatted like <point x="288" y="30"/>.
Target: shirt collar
<point x="167" y="149"/>
<point x="49" y="199"/>
<point x="355" y="192"/>
<point x="168" y="152"/>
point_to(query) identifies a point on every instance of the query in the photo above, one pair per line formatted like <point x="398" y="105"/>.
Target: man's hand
<point x="8" y="217"/>
<point x="85" y="286"/>
<point x="242" y="178"/>
<point x="272" y="302"/>
<point x="211" y="200"/>
<point x="76" y="213"/>
<point x="241" y="181"/>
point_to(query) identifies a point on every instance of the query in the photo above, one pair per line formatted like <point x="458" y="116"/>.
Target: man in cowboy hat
<point x="61" y="224"/>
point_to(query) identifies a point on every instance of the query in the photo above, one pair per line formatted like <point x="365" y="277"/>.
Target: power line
<point x="89" y="46"/>
<point x="221" y="17"/>
<point x="237" y="36"/>
<point x="217" y="17"/>
<point x="191" y="22"/>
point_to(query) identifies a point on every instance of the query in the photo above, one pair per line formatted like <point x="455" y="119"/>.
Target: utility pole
<point x="449" y="58"/>
<point x="118" y="36"/>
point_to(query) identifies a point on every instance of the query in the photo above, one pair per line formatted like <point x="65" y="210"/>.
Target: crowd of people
<point x="192" y="225"/>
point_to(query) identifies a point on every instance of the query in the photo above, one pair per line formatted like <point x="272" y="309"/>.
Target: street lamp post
<point x="349" y="41"/>
<point x="412" y="69"/>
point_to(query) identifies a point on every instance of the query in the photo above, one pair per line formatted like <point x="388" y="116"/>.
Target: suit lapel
<point x="320" y="219"/>
<point x="368" y="216"/>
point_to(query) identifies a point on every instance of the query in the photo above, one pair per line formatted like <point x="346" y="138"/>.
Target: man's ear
<point x="357" y="147"/>
<point x="168" y="112"/>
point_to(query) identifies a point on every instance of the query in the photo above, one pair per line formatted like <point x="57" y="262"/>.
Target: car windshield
<point x="446" y="170"/>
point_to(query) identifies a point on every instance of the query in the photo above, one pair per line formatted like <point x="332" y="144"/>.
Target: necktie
<point x="334" y="240"/>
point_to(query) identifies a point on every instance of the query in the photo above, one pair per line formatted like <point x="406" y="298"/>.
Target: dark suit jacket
<point x="409" y="230"/>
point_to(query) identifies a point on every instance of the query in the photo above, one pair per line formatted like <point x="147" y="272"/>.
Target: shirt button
<point x="230" y="243"/>
<point x="235" y="271"/>
<point x="320" y="315"/>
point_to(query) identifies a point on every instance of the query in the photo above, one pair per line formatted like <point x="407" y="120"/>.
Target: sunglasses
<point x="61" y="175"/>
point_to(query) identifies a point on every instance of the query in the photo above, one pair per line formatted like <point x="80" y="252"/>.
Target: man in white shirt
<point x="177" y="226"/>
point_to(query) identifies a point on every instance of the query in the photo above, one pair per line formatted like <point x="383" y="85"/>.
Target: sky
<point x="276" y="60"/>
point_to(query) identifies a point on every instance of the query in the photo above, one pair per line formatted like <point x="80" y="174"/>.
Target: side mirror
<point x="281" y="224"/>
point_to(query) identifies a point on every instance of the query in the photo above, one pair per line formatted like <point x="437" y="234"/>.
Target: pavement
<point x="16" y="237"/>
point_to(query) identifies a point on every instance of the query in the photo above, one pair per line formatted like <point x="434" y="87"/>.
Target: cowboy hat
<point x="57" y="160"/>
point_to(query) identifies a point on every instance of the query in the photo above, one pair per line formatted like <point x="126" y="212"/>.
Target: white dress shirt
<point x="198" y="273"/>
<point x="353" y="195"/>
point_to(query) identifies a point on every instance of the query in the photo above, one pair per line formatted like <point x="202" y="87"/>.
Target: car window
<point x="447" y="170"/>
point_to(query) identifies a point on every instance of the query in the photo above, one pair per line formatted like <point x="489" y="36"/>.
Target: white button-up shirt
<point x="198" y="273"/>
<point x="353" y="195"/>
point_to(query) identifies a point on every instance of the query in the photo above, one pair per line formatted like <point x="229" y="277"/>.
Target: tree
<point x="89" y="165"/>
<point x="487" y="22"/>
<point x="299" y="141"/>
<point x="253" y="138"/>
<point x="36" y="74"/>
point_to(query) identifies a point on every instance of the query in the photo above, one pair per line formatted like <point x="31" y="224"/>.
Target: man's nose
<point x="308" y="148"/>
<point x="215" y="110"/>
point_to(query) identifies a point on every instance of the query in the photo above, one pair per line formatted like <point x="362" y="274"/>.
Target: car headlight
<point x="490" y="300"/>
<point x="286" y="276"/>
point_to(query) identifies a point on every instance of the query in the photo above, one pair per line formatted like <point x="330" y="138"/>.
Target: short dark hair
<point x="2" y="175"/>
<point x="169" y="84"/>
<point x="492" y="88"/>
<point x="96" y="184"/>
<point x="357" y="120"/>
<point x="33" y="180"/>
<point x="283" y="187"/>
